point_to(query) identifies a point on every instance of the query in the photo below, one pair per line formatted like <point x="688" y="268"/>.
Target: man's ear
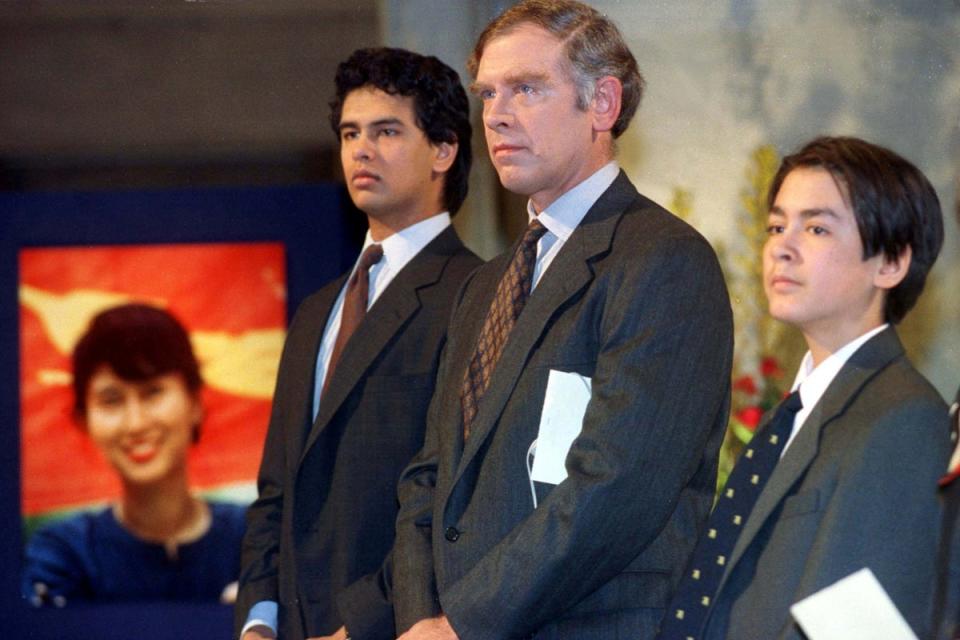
<point x="606" y="103"/>
<point x="444" y="155"/>
<point x="892" y="271"/>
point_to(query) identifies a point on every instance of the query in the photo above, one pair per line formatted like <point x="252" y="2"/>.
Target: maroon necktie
<point x="354" y="306"/>
<point x="512" y="293"/>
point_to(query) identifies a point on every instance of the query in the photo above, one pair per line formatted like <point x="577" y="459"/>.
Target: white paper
<point x="854" y="608"/>
<point x="561" y="419"/>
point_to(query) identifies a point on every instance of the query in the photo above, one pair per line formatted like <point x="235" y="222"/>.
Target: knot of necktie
<point x="534" y="232"/>
<point x="370" y="256"/>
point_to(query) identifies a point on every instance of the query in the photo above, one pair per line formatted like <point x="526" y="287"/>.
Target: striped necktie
<point x="509" y="300"/>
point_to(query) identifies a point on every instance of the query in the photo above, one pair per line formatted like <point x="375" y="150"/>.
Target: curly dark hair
<point x="894" y="204"/>
<point x="439" y="102"/>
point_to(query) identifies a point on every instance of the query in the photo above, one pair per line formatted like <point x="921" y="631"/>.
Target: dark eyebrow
<point x="818" y="212"/>
<point x="376" y="123"/>
<point x="806" y="214"/>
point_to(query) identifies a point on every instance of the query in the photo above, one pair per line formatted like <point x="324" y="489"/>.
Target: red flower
<point x="750" y="417"/>
<point x="770" y="368"/>
<point x="745" y="384"/>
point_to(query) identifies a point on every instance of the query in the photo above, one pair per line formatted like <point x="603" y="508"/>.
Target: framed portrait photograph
<point x="140" y="341"/>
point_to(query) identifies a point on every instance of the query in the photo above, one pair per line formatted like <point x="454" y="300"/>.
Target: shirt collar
<point x="813" y="382"/>
<point x="566" y="212"/>
<point x="400" y="247"/>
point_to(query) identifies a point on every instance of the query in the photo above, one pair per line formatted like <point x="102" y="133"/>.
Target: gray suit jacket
<point x="635" y="300"/>
<point x="947" y="602"/>
<point x="326" y="507"/>
<point x="856" y="488"/>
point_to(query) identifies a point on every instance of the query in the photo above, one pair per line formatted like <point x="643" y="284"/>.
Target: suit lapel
<point x="569" y="273"/>
<point x="308" y="348"/>
<point x="870" y="358"/>
<point x="386" y="317"/>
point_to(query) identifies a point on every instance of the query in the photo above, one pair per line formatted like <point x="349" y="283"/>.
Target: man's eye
<point x="817" y="230"/>
<point x="526" y="89"/>
<point x="774" y="229"/>
<point x="348" y="135"/>
<point x="389" y="132"/>
<point x="486" y="94"/>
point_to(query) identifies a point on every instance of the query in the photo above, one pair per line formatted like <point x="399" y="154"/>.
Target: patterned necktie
<point x="354" y="306"/>
<point x="691" y="603"/>
<point x="512" y="293"/>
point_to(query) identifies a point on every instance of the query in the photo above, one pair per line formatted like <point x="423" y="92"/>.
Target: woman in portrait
<point x="137" y="386"/>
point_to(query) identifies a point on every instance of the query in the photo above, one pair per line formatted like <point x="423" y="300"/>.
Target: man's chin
<point x="515" y="181"/>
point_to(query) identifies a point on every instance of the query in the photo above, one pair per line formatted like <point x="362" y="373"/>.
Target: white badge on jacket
<point x="564" y="404"/>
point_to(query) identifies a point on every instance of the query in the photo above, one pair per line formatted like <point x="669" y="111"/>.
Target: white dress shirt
<point x="813" y="382"/>
<point x="565" y="213"/>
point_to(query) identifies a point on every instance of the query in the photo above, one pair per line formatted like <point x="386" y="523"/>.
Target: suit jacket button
<point x="451" y="534"/>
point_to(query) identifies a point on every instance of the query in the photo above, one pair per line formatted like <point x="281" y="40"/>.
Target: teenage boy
<point x="360" y="360"/>
<point x="842" y="475"/>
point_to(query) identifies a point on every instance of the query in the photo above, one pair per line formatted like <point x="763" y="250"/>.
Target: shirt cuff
<point x="263" y="613"/>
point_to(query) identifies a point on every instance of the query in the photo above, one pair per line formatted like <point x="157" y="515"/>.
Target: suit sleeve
<point x="259" y="562"/>
<point x="659" y="389"/>
<point x="884" y="510"/>
<point x="365" y="606"/>
<point x="414" y="595"/>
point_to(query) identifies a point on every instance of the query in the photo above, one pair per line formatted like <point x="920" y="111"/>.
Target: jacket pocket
<point x="807" y="502"/>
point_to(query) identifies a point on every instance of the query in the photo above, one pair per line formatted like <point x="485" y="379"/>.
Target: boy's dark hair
<point x="894" y="204"/>
<point x="137" y="342"/>
<point x="439" y="102"/>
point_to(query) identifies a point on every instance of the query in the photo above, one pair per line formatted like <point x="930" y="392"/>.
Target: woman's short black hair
<point x="439" y="102"/>
<point x="137" y="342"/>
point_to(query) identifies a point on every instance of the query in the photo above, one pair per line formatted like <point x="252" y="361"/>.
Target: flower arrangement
<point x="759" y="380"/>
<point x="752" y="396"/>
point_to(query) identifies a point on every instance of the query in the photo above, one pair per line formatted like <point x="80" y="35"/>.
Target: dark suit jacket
<point x="326" y="507"/>
<point x="635" y="300"/>
<point x="947" y="603"/>
<point x="856" y="488"/>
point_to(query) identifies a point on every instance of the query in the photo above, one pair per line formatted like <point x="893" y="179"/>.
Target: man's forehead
<point x="368" y="103"/>
<point x="500" y="57"/>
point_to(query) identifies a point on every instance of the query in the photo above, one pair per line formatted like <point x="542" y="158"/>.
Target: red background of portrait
<point x="231" y="288"/>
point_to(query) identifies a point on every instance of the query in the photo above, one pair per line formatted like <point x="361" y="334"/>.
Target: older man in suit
<point x="605" y="287"/>
<point x="842" y="476"/>
<point x="360" y="360"/>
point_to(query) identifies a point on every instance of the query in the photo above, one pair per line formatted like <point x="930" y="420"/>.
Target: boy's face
<point x="393" y="172"/>
<point x="814" y="273"/>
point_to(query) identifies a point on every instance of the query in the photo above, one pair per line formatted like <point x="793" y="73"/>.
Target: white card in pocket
<point x="564" y="404"/>
<point x="854" y="608"/>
